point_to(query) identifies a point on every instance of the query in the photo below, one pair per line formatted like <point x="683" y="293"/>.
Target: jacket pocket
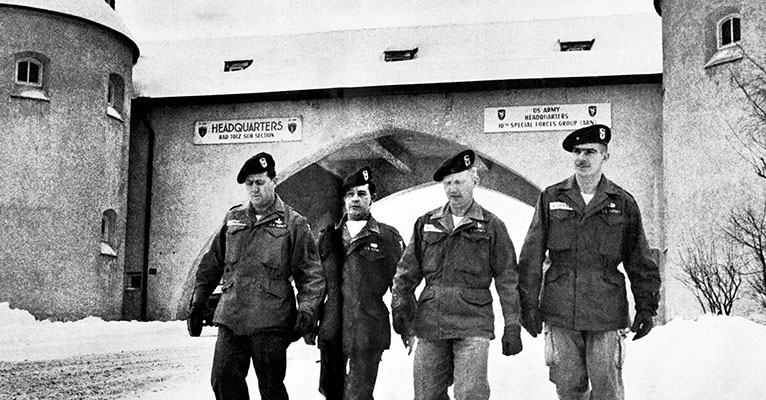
<point x="432" y="248"/>
<point x="234" y="237"/>
<point x="480" y="299"/>
<point x="561" y="229"/>
<point x="610" y="242"/>
<point x="472" y="252"/>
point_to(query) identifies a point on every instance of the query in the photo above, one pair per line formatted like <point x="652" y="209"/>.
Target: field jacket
<point x="458" y="266"/>
<point x="359" y="271"/>
<point x="255" y="261"/>
<point x="583" y="289"/>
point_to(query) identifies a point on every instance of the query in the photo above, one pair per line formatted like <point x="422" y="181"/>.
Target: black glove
<point x="642" y="324"/>
<point x="401" y="325"/>
<point x="194" y="320"/>
<point x="304" y="324"/>
<point x="531" y="321"/>
<point x="512" y="340"/>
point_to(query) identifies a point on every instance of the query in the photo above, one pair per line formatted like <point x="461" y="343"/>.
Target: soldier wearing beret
<point x="359" y="256"/>
<point x="459" y="249"/>
<point x="588" y="226"/>
<point x="260" y="247"/>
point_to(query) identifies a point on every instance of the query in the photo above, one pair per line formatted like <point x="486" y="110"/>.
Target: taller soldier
<point x="255" y="253"/>
<point x="588" y="226"/>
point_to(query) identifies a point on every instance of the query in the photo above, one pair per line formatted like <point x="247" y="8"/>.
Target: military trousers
<point x="585" y="365"/>
<point x="348" y="377"/>
<point x="440" y="363"/>
<point x="231" y="362"/>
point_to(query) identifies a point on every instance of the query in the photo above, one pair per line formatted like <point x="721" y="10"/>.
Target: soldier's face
<point x="589" y="158"/>
<point x="260" y="189"/>
<point x="459" y="188"/>
<point x="358" y="201"/>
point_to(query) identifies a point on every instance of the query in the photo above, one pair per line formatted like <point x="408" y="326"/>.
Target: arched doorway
<point x="400" y="160"/>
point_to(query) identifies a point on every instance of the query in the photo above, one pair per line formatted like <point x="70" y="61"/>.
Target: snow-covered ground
<point x="712" y="357"/>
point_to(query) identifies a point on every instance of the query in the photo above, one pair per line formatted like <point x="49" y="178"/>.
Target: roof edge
<point x="121" y="30"/>
<point x="419" y="88"/>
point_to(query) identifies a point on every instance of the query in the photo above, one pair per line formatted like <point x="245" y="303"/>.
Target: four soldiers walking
<point x="584" y="226"/>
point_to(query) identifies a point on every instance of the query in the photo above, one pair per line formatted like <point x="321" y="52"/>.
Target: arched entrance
<point x="400" y="160"/>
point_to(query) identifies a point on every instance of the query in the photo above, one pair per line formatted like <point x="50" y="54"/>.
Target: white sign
<point x="248" y="130"/>
<point x="546" y="118"/>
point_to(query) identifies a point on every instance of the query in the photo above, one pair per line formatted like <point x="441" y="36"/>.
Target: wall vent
<point x="236" y="65"/>
<point x="576" y="45"/>
<point x="399" y="55"/>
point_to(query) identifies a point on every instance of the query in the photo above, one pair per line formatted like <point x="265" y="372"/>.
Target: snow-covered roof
<point x="625" y="45"/>
<point x="95" y="11"/>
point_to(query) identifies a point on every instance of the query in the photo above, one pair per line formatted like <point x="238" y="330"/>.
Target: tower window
<point x="729" y="31"/>
<point x="31" y="75"/>
<point x="29" y="72"/>
<point x="115" y="95"/>
<point x="108" y="222"/>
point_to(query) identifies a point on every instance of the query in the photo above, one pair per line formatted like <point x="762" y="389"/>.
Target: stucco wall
<point x="703" y="111"/>
<point x="193" y="186"/>
<point x="64" y="162"/>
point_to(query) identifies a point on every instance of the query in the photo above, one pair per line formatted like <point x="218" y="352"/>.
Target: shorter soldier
<point x="359" y="256"/>
<point x="588" y="226"/>
<point x="258" y="249"/>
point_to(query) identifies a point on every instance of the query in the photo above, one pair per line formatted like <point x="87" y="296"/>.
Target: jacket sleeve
<point x="210" y="267"/>
<point x="506" y="273"/>
<point x="532" y="257"/>
<point x="306" y="268"/>
<point x="397" y="249"/>
<point x="642" y="270"/>
<point x="408" y="276"/>
<point x="329" y="318"/>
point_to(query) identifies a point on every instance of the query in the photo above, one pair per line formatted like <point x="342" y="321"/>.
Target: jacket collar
<point x="372" y="224"/>
<point x="444" y="215"/>
<point x="277" y="209"/>
<point x="604" y="189"/>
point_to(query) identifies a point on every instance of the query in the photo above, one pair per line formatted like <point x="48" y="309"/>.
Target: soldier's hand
<point x="409" y="343"/>
<point x="194" y="320"/>
<point x="642" y="324"/>
<point x="310" y="338"/>
<point x="304" y="324"/>
<point x="531" y="321"/>
<point x="196" y="310"/>
<point x="512" y="340"/>
<point x="401" y="325"/>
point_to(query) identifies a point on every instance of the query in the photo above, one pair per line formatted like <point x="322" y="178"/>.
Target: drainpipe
<point x="144" y="112"/>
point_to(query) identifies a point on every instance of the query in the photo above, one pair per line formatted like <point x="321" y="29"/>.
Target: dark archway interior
<point x="399" y="161"/>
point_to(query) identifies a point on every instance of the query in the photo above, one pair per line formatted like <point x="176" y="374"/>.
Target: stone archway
<point x="400" y="160"/>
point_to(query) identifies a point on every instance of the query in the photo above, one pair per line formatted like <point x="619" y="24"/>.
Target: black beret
<point x="458" y="163"/>
<point x="589" y="134"/>
<point x="258" y="163"/>
<point x="361" y="177"/>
